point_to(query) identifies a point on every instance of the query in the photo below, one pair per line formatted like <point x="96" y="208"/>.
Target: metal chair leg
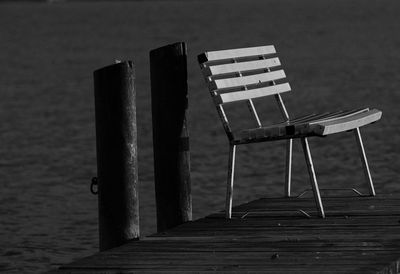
<point x="313" y="178"/>
<point x="364" y="161"/>
<point x="288" y="172"/>
<point x="229" y="186"/>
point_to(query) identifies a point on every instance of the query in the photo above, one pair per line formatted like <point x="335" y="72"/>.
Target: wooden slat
<point x="241" y="67"/>
<point x="304" y="118"/>
<point x="238" y="53"/>
<point x="347" y="123"/>
<point x="308" y="125"/>
<point x="252" y="93"/>
<point x="341" y="115"/>
<point x="264" y="132"/>
<point x="283" y="129"/>
<point x="247" y="80"/>
<point x="311" y="117"/>
<point x="363" y="238"/>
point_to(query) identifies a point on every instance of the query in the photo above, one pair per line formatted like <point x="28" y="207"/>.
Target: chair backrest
<point x="243" y="74"/>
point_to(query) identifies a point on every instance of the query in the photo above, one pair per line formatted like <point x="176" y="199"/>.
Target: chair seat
<point x="312" y="125"/>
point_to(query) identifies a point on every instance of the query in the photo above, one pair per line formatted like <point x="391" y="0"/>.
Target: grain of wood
<point x="252" y="93"/>
<point x="363" y="238"/>
<point x="169" y="100"/>
<point x="347" y="123"/>
<point x="243" y="67"/>
<point x="238" y="53"/>
<point x="233" y="83"/>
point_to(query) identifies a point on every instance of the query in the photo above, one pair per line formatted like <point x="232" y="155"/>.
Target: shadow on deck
<point x="359" y="235"/>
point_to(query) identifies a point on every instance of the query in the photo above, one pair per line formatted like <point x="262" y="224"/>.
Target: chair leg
<point x="364" y="161"/>
<point x="229" y="185"/>
<point x="313" y="178"/>
<point x="288" y="172"/>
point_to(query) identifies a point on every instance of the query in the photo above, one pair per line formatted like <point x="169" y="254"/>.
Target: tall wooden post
<point x="116" y="141"/>
<point x="168" y="73"/>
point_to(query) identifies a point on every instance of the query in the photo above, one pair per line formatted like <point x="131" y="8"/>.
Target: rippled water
<point x="338" y="55"/>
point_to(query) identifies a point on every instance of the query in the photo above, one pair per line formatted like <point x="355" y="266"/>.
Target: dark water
<point x="337" y="54"/>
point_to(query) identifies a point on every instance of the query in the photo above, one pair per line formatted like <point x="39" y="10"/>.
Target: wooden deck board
<point x="359" y="235"/>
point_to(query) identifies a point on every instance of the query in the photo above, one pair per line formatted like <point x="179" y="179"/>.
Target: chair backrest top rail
<point x="235" y="53"/>
<point x="251" y="93"/>
<point x="242" y="67"/>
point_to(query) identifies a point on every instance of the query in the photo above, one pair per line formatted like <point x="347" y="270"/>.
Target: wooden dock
<point x="359" y="235"/>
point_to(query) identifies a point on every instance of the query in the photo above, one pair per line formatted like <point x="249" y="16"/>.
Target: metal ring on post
<point x="94" y="183"/>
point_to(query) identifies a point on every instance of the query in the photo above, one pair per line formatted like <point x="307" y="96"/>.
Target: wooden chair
<point x="246" y="73"/>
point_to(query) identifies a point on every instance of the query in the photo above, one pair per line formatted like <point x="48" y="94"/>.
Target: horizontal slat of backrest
<point x="238" y="53"/>
<point x="247" y="80"/>
<point x="252" y="93"/>
<point x="241" y="67"/>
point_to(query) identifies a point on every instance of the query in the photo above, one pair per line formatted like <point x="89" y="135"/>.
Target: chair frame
<point x="233" y="143"/>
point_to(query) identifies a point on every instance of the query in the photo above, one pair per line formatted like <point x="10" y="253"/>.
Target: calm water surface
<point x="337" y="54"/>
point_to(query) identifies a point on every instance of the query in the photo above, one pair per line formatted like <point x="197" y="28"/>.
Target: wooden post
<point x="168" y="73"/>
<point x="116" y="141"/>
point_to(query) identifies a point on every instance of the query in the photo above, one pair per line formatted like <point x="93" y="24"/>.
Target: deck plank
<point x="359" y="235"/>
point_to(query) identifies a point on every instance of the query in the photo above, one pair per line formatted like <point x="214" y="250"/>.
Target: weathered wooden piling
<point x="168" y="73"/>
<point x="116" y="142"/>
